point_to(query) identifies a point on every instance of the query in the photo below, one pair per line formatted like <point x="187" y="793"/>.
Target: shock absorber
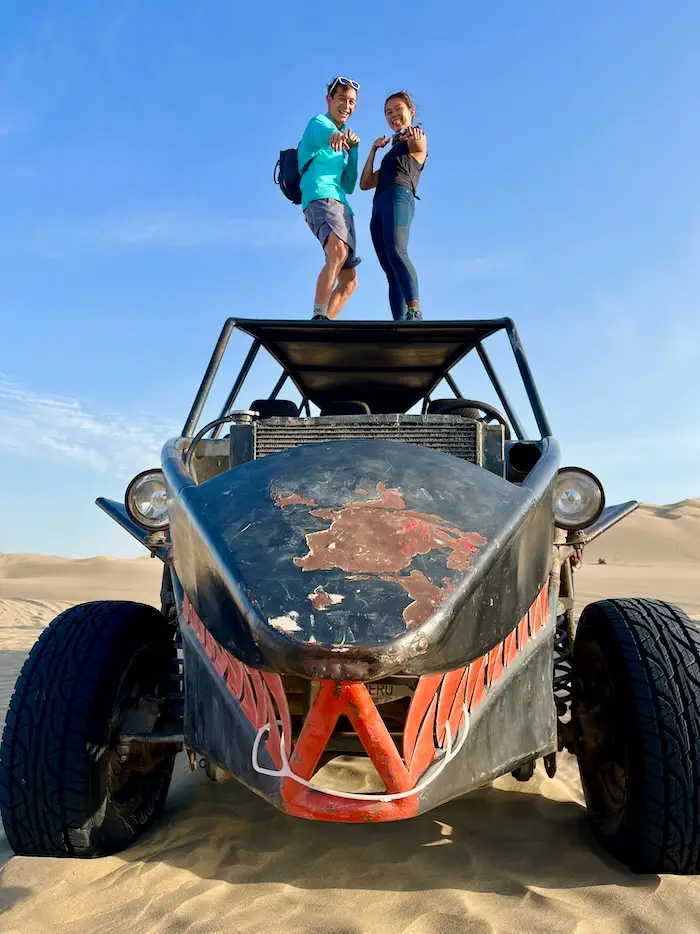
<point x="562" y="667"/>
<point x="563" y="643"/>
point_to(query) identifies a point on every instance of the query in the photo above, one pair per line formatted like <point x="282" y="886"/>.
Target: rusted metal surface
<point x="447" y="561"/>
<point x="291" y="499"/>
<point x="381" y="537"/>
<point x="320" y="600"/>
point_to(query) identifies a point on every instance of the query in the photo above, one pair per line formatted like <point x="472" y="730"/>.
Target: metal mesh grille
<point x="450" y="435"/>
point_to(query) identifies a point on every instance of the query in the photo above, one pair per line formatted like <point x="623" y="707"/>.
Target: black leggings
<point x="392" y="213"/>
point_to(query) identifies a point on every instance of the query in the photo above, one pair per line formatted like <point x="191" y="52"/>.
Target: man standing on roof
<point x="325" y="185"/>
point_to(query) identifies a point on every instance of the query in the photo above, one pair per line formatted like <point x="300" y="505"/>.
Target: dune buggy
<point x="390" y="576"/>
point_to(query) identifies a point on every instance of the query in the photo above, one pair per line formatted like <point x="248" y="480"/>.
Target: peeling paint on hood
<point x="288" y="623"/>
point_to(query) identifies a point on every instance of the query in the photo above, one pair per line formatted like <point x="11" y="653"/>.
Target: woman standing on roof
<point x="393" y="207"/>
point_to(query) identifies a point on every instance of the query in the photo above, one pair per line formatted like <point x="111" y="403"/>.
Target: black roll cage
<point x="259" y="330"/>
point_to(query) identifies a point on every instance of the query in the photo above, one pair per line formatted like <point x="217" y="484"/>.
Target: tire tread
<point x="660" y="648"/>
<point x="43" y="778"/>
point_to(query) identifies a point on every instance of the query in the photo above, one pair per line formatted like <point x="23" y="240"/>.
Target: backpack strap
<point x="308" y="163"/>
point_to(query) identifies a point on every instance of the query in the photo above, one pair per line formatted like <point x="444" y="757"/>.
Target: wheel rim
<point x="125" y="785"/>
<point x="601" y="746"/>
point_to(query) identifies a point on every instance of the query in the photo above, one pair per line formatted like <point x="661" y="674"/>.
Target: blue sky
<point x="137" y="211"/>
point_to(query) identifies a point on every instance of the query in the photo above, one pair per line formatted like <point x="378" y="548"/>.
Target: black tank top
<point x="398" y="167"/>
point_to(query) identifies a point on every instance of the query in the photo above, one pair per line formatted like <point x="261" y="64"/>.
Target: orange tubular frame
<point x="353" y="700"/>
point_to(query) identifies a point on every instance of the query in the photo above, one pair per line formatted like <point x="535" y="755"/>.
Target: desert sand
<point x="513" y="857"/>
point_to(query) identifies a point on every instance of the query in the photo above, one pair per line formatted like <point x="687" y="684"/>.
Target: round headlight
<point x="146" y="500"/>
<point x="579" y="498"/>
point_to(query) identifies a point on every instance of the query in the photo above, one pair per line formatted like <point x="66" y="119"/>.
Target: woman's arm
<point x="369" y="176"/>
<point x="417" y="143"/>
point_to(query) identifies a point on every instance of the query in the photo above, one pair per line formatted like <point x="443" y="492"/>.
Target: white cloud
<point x="49" y="426"/>
<point x="166" y="231"/>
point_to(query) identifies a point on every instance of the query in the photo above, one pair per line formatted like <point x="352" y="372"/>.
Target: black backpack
<point x="288" y="176"/>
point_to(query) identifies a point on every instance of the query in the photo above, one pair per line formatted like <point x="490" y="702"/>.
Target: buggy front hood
<point x="353" y="560"/>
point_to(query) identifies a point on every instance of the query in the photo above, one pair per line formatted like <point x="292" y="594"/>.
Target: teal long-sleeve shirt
<point x="331" y="174"/>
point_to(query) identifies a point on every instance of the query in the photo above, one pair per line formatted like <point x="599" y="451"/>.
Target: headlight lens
<point x="579" y="498"/>
<point x="146" y="500"/>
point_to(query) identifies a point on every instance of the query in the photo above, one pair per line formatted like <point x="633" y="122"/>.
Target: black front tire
<point x="636" y="719"/>
<point x="63" y="790"/>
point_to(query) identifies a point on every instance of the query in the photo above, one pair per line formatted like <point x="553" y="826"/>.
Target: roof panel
<point x="389" y="365"/>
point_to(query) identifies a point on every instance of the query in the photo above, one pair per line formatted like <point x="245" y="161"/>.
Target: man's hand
<point x="353" y="139"/>
<point x="381" y="142"/>
<point x="339" y="141"/>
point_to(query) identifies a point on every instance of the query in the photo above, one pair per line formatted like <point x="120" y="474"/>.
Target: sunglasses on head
<point x="345" y="82"/>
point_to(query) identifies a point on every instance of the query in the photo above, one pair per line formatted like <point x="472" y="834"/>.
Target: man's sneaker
<point x="320" y="318"/>
<point x="413" y="314"/>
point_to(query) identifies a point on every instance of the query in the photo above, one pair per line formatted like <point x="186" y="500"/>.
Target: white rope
<point x="430" y="776"/>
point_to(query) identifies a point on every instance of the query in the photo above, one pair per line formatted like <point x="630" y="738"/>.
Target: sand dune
<point x="509" y="858"/>
<point x="652" y="535"/>
<point x="655" y="552"/>
<point x="49" y="578"/>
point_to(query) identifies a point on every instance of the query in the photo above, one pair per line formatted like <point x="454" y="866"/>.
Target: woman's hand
<point x="381" y="142"/>
<point x="417" y="143"/>
<point x="414" y="133"/>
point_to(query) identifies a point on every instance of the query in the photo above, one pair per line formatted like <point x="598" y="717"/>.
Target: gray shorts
<point x="326" y="215"/>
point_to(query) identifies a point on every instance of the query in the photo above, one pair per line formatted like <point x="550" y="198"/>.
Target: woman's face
<point x="398" y="114"/>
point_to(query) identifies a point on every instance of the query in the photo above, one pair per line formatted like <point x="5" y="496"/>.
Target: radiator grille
<point x="449" y="434"/>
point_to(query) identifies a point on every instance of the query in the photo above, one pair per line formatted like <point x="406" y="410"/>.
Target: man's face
<point x="342" y="104"/>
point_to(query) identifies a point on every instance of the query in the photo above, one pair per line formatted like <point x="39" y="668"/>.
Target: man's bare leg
<point x="347" y="283"/>
<point x="336" y="253"/>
